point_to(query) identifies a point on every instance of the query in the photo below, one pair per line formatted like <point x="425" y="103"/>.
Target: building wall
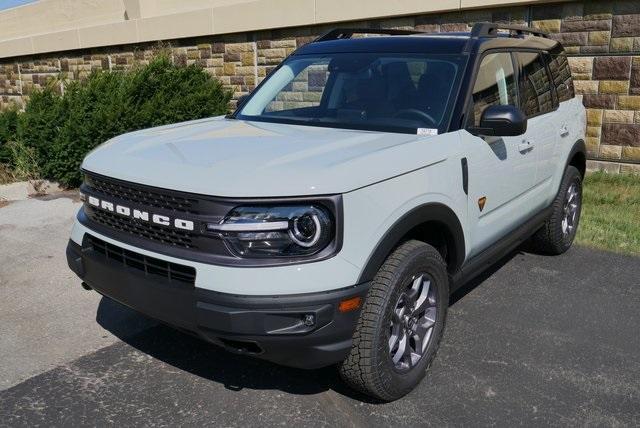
<point x="601" y="37"/>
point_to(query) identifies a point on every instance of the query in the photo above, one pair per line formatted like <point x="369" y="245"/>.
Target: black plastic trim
<point x="419" y="215"/>
<point x="490" y="29"/>
<point x="578" y="147"/>
<point x="461" y="271"/>
<point x="465" y="175"/>
<point x="268" y="327"/>
<point x="347" y="33"/>
<point x="503" y="246"/>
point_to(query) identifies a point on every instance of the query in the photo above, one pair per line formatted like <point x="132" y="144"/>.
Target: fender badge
<point x="481" y="202"/>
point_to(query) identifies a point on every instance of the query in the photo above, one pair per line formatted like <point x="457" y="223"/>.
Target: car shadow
<point x="476" y="281"/>
<point x="235" y="372"/>
<point x="208" y="361"/>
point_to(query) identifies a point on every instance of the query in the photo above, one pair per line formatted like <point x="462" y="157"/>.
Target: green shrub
<point x="24" y="161"/>
<point x="39" y="125"/>
<point x="60" y="129"/>
<point x="8" y="127"/>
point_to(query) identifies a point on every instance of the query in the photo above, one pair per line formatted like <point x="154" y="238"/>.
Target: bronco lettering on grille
<point x="160" y="219"/>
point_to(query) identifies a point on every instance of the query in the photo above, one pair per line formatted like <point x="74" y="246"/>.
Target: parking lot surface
<point x="536" y="341"/>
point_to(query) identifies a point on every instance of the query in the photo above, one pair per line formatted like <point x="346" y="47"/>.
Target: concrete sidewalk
<point x="46" y="318"/>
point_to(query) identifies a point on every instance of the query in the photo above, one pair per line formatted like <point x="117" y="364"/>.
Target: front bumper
<point x="268" y="327"/>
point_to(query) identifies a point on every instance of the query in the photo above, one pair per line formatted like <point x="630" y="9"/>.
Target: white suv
<point x="329" y="218"/>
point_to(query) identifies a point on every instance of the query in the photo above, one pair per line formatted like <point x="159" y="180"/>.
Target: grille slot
<point x="141" y="195"/>
<point x="150" y="266"/>
<point x="164" y="235"/>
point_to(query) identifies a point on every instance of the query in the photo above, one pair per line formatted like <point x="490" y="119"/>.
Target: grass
<point x="611" y="213"/>
<point x="6" y="175"/>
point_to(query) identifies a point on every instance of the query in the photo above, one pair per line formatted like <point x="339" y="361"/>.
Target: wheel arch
<point x="578" y="157"/>
<point x="434" y="223"/>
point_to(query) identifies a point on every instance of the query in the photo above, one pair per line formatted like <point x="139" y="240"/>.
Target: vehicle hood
<point x="229" y="157"/>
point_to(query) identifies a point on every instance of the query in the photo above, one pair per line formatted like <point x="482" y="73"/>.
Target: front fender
<point x="430" y="212"/>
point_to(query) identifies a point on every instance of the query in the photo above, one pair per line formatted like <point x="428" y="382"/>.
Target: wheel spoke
<point x="394" y="337"/>
<point x="402" y="348"/>
<point x="397" y="315"/>
<point x="407" y="352"/>
<point x="423" y="300"/>
<point x="414" y="291"/>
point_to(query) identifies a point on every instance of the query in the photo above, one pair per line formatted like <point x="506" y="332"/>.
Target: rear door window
<point x="561" y="75"/>
<point x="536" y="95"/>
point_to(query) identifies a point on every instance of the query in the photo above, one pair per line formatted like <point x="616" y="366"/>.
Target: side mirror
<point x="502" y="121"/>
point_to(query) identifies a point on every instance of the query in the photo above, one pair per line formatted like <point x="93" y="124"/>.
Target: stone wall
<point x="602" y="39"/>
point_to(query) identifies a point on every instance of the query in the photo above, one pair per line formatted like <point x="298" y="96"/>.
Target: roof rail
<point x="488" y="29"/>
<point x="346" y="33"/>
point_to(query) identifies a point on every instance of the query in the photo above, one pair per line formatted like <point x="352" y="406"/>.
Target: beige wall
<point x="59" y="25"/>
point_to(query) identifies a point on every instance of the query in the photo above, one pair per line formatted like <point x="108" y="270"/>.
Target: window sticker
<point x="427" y="131"/>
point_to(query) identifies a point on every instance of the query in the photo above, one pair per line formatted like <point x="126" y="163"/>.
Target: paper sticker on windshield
<point x="427" y="131"/>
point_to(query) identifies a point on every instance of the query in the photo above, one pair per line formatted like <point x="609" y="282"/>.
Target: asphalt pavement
<point x="536" y="341"/>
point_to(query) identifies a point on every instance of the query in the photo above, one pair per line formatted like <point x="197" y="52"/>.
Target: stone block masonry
<point x="602" y="39"/>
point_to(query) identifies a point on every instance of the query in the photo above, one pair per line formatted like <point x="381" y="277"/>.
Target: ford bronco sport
<point x="328" y="219"/>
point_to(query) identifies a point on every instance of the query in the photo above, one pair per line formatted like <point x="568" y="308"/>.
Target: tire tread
<point x="359" y="368"/>
<point x="549" y="239"/>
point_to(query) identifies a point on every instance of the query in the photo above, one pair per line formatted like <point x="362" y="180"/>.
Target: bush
<point x="25" y="161"/>
<point x="59" y="130"/>
<point x="8" y="127"/>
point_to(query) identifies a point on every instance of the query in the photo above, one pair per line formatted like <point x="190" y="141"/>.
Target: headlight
<point x="276" y="231"/>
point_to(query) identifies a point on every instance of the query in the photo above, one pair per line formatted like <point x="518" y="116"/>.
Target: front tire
<point x="401" y="323"/>
<point x="559" y="230"/>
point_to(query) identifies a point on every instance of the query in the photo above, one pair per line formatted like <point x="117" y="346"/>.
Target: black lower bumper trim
<point x="305" y="330"/>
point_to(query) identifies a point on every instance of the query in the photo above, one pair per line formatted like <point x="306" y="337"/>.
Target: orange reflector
<point x="350" y="304"/>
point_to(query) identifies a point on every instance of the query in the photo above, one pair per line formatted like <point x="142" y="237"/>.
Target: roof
<point x="483" y="36"/>
<point x="405" y="44"/>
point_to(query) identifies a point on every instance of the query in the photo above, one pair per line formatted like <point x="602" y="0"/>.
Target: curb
<point x="23" y="190"/>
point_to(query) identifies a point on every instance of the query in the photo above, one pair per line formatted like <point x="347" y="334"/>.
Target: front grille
<point x="141" y="195"/>
<point x="164" y="235"/>
<point x="162" y="201"/>
<point x="149" y="265"/>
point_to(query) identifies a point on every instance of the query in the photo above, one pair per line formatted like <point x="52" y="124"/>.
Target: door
<point x="539" y="104"/>
<point x="502" y="170"/>
<point x="566" y="122"/>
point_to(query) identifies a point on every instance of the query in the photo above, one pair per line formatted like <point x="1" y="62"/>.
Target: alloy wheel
<point x="571" y="204"/>
<point x="412" y="322"/>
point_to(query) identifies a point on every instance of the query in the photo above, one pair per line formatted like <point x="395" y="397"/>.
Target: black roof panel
<point x="451" y="44"/>
<point x="437" y="43"/>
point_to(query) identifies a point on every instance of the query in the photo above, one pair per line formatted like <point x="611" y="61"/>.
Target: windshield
<point x="410" y="93"/>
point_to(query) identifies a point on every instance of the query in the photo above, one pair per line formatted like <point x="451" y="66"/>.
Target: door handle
<point x="525" y="146"/>
<point x="564" y="130"/>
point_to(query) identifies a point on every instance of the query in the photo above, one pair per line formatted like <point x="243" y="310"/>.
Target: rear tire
<point x="559" y="230"/>
<point x="401" y="323"/>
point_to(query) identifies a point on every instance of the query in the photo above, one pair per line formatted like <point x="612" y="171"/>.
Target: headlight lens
<point x="276" y="231"/>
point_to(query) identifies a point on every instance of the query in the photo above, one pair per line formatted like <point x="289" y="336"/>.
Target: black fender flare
<point x="578" y="147"/>
<point x="421" y="214"/>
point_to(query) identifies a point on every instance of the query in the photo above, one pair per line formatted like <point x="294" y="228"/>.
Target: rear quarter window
<point x="561" y="74"/>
